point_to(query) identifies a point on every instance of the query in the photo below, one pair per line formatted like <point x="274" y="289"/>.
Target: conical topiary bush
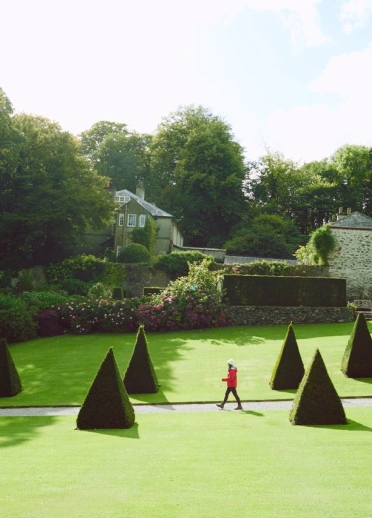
<point x="316" y="401"/>
<point x="140" y="377"/>
<point x="289" y="368"/>
<point x="107" y="403"/>
<point x="357" y="359"/>
<point x="10" y="383"/>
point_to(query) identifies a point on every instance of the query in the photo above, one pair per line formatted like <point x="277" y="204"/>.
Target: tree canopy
<point x="199" y="169"/>
<point x="49" y="195"/>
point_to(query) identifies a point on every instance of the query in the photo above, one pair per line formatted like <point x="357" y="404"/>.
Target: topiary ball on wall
<point x="134" y="253"/>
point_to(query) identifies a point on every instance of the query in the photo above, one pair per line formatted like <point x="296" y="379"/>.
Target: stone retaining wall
<point x="269" y="315"/>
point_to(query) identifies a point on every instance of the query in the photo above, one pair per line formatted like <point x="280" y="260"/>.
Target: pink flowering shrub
<point x="101" y="315"/>
<point x="192" y="302"/>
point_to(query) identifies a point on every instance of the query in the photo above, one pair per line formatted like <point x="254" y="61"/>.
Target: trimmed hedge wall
<point x="257" y="290"/>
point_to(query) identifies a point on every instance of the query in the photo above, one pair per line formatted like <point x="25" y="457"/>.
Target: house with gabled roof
<point x="352" y="257"/>
<point x="131" y="213"/>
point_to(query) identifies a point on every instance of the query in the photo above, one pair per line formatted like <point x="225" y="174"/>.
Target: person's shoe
<point x="239" y="407"/>
<point x="219" y="405"/>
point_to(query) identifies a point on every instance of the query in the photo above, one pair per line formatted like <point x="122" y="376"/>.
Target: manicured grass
<point x="245" y="464"/>
<point x="189" y="364"/>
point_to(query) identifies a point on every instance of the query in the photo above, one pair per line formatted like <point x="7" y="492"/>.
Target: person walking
<point x="232" y="382"/>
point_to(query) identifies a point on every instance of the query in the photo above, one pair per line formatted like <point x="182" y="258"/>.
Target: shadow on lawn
<point x="17" y="430"/>
<point x="363" y="380"/>
<point x="351" y="426"/>
<point x="253" y="412"/>
<point x="128" y="433"/>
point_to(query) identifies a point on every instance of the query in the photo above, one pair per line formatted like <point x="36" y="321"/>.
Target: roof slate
<point x="354" y="220"/>
<point x="150" y="207"/>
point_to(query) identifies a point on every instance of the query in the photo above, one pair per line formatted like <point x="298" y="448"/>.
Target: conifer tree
<point x="140" y="377"/>
<point x="107" y="404"/>
<point x="10" y="383"/>
<point x="289" y="368"/>
<point x="316" y="401"/>
<point x="357" y="359"/>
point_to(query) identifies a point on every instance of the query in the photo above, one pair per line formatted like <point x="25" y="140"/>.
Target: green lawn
<point x="189" y="364"/>
<point x="243" y="464"/>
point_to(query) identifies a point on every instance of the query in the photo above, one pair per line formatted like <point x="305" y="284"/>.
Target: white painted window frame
<point x="142" y="220"/>
<point x="132" y="220"/>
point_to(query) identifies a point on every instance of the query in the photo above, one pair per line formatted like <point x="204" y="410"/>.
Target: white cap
<point x="231" y="362"/>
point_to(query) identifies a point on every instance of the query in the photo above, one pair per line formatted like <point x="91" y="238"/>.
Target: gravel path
<point x="248" y="406"/>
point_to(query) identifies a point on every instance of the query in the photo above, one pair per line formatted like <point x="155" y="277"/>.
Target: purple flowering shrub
<point x="49" y="323"/>
<point x="192" y="302"/>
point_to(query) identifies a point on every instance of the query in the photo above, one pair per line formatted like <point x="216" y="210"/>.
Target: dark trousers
<point x="234" y="393"/>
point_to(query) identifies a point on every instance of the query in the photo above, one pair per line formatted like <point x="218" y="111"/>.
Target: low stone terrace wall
<point x="269" y="315"/>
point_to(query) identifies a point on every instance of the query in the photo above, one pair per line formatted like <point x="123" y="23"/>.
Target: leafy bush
<point x="191" y="302"/>
<point x="45" y="299"/>
<point x="6" y="278"/>
<point x="99" y="290"/>
<point x="177" y="264"/>
<point x="146" y="236"/>
<point x="86" y="268"/>
<point x="49" y="323"/>
<point x="17" y="321"/>
<point x="83" y="267"/>
<point x="134" y="253"/>
<point x="268" y="235"/>
<point x="75" y="287"/>
<point x="318" y="249"/>
<point x="107" y="404"/>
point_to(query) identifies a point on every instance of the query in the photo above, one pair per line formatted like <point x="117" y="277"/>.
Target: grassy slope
<point x="189" y="364"/>
<point x="185" y="465"/>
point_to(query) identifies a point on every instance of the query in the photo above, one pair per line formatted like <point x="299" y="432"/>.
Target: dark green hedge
<point x="257" y="290"/>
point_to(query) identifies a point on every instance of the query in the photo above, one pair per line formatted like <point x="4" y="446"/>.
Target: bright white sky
<point x="293" y="76"/>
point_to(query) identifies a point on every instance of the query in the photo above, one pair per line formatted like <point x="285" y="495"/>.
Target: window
<point x="124" y="199"/>
<point x="118" y="250"/>
<point x="132" y="220"/>
<point x="121" y="219"/>
<point x="142" y="220"/>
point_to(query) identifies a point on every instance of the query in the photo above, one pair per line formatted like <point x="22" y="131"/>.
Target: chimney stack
<point x="140" y="191"/>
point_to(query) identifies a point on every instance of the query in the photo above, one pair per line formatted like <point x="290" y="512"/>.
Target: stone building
<point x="131" y="213"/>
<point x="352" y="257"/>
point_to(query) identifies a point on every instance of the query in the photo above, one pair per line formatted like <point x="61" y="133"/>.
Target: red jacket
<point x="232" y="378"/>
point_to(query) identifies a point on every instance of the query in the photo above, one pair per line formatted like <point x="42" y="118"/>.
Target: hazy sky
<point x="294" y="76"/>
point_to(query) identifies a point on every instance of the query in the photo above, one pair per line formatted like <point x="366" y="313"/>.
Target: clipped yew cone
<point x="107" y="404"/>
<point x="140" y="377"/>
<point x="316" y="401"/>
<point x="289" y="368"/>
